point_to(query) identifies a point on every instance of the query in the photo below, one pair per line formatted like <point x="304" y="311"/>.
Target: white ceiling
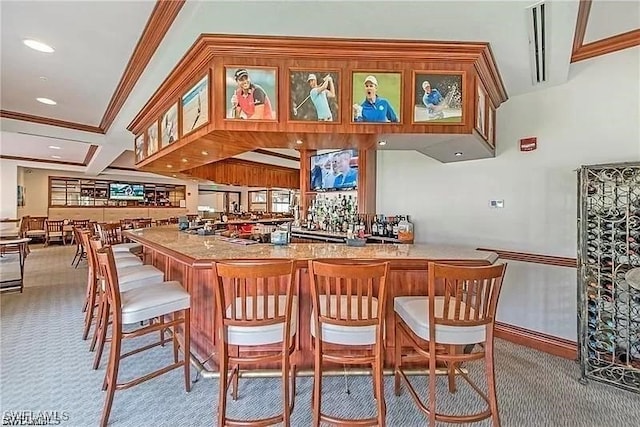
<point x="94" y="41"/>
<point x="37" y="147"/>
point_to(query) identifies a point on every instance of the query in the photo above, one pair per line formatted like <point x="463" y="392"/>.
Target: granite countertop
<point x="200" y="247"/>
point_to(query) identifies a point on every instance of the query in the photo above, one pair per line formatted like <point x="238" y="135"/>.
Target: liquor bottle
<point x="395" y="227"/>
<point x="374" y="226"/>
<point x="405" y="230"/>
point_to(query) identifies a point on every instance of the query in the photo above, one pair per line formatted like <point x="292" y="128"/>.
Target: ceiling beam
<point x="163" y="15"/>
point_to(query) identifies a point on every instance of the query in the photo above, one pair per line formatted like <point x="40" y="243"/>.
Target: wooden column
<point x="367" y="163"/>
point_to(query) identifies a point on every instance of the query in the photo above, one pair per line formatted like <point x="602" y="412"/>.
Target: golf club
<point x="296" y="107"/>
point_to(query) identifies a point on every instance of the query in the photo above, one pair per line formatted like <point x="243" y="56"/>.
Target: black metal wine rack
<point x="608" y="247"/>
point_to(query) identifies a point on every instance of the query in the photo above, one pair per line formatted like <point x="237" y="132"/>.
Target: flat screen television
<point x="122" y="191"/>
<point x="337" y="170"/>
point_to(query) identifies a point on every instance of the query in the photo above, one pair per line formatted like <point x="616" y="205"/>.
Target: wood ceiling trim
<point x="582" y="51"/>
<point x="581" y="25"/>
<point x="161" y="19"/>
<point x="13" y="115"/>
<point x="274" y="154"/>
<point x="608" y="45"/>
<point x="90" y="153"/>
<point x="31" y="159"/>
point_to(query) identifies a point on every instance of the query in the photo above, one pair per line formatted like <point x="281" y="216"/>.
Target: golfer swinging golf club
<point x="249" y="101"/>
<point x="319" y="95"/>
<point x="374" y="108"/>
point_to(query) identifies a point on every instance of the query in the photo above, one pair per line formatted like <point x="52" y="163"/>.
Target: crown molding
<point x="90" y="153"/>
<point x="582" y="51"/>
<point x="161" y="19"/>
<point x="13" y="115"/>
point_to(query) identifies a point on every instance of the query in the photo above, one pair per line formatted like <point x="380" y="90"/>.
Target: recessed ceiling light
<point x="169" y="166"/>
<point x="298" y="141"/>
<point x="174" y="175"/>
<point x="458" y="153"/>
<point x="54" y="147"/>
<point x="205" y="153"/>
<point x="39" y="46"/>
<point x="46" y="101"/>
<point x="184" y="160"/>
<point x="43" y="78"/>
<point x="56" y="157"/>
<point x="382" y="142"/>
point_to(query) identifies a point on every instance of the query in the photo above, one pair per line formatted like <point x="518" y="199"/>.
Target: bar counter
<point x="188" y="257"/>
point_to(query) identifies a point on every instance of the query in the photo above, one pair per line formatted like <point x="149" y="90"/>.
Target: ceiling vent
<point x="537" y="18"/>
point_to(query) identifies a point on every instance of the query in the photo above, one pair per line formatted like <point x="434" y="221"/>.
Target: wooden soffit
<point x="220" y="138"/>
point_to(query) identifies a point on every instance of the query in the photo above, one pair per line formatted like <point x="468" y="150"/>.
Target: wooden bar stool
<point x="130" y="277"/>
<point x="135" y="306"/>
<point x="435" y="326"/>
<point x="128" y="265"/>
<point x="255" y="306"/>
<point x="349" y="310"/>
<point x="111" y="234"/>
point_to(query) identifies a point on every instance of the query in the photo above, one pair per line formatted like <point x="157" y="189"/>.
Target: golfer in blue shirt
<point x="373" y="108"/>
<point x="432" y="99"/>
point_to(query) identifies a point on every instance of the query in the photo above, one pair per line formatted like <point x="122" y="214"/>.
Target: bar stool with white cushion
<point x="348" y="310"/>
<point x="135" y="306"/>
<point x="111" y="234"/>
<point x="459" y="314"/>
<point x="255" y="306"/>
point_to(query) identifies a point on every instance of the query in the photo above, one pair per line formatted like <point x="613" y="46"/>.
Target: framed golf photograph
<point x="195" y="106"/>
<point x="139" y="147"/>
<point x="481" y="110"/>
<point x="437" y="97"/>
<point x="313" y="95"/>
<point x="169" y="126"/>
<point x="376" y="97"/>
<point x="152" y="139"/>
<point x="251" y="93"/>
<point x="491" y="127"/>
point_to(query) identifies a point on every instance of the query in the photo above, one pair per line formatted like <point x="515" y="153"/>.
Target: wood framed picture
<point x="376" y="97"/>
<point x="251" y="93"/>
<point x="152" y="139"/>
<point x="491" y="131"/>
<point x="313" y="95"/>
<point x="169" y="126"/>
<point x="481" y="110"/>
<point x="139" y="148"/>
<point x="195" y="106"/>
<point x="437" y="97"/>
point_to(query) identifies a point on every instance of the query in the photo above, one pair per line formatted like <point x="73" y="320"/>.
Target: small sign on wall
<point x="528" y="144"/>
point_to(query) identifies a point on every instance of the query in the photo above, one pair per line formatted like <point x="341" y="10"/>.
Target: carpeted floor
<point x="45" y="366"/>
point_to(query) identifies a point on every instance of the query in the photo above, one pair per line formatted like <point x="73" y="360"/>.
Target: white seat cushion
<point x="152" y="301"/>
<point x="54" y="233"/>
<point x="414" y="311"/>
<point x="127" y="262"/>
<point x="262" y="335"/>
<point x="136" y="276"/>
<point x="36" y="232"/>
<point x="346" y="335"/>
<point x="126" y="247"/>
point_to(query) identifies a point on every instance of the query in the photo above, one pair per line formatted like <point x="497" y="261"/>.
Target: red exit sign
<point x="528" y="144"/>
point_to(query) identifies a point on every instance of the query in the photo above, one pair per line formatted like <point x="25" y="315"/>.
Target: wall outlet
<point x="496" y="203"/>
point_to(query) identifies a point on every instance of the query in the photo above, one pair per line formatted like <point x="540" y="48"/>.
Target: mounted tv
<point x="333" y="171"/>
<point x="121" y="191"/>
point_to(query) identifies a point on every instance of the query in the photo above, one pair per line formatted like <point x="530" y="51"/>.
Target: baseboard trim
<point x="546" y="343"/>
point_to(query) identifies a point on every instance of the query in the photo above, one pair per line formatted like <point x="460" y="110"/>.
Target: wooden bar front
<point x="188" y="259"/>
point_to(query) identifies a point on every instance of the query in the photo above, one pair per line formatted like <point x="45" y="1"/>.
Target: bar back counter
<point x="188" y="258"/>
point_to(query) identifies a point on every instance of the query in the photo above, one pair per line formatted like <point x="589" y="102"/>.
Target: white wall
<point x="593" y="118"/>
<point x="8" y="189"/>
